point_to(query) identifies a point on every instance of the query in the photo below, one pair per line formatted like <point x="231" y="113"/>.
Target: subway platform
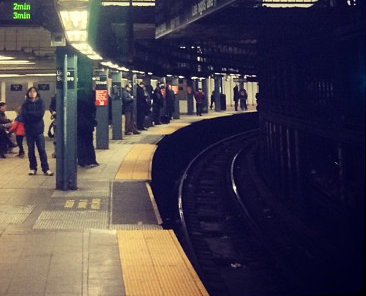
<point x="104" y="239"/>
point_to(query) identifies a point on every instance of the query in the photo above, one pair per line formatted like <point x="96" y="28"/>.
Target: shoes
<point x="53" y="155"/>
<point x="32" y="172"/>
<point x="2" y="156"/>
<point x="92" y="165"/>
<point x="21" y="155"/>
<point x="128" y="133"/>
<point x="136" y="132"/>
<point x="48" y="173"/>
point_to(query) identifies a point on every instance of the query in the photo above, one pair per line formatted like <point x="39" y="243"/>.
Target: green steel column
<point x="66" y="134"/>
<point x="217" y="93"/>
<point x="116" y="101"/>
<point x="101" y="96"/>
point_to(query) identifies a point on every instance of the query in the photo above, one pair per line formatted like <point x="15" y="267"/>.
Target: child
<point x="18" y="128"/>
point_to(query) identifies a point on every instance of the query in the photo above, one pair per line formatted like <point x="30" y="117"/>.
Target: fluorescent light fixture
<point x="181" y="77"/>
<point x="114" y="3"/>
<point x="4" y="58"/>
<point x="94" y="56"/>
<point x="288" y="3"/>
<point x="127" y="3"/>
<point x="39" y="74"/>
<point x="76" y="20"/>
<point x="169" y="75"/>
<point x="9" y="75"/>
<point x="149" y="73"/>
<point x="16" y="62"/>
<point x="77" y="36"/>
<point x="84" y="48"/>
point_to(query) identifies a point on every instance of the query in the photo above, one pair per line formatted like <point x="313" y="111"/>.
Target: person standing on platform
<point x="199" y="97"/>
<point x="236" y="96"/>
<point x="5" y="124"/>
<point x="170" y="100"/>
<point x="127" y="98"/>
<point x="52" y="128"/>
<point x="17" y="128"/>
<point x="33" y="110"/>
<point x="141" y="106"/>
<point x="163" y="95"/>
<point x="243" y="96"/>
<point x="212" y="100"/>
<point x="157" y="105"/>
<point x="86" y="122"/>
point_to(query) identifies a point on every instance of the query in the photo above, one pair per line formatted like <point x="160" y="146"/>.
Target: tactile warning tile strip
<point x="169" y="129"/>
<point x="137" y="163"/>
<point x="72" y="220"/>
<point x="154" y="264"/>
<point x="14" y="214"/>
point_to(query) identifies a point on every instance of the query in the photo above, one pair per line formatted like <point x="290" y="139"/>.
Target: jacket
<point x="18" y="126"/>
<point x="32" y="113"/>
<point x="127" y="100"/>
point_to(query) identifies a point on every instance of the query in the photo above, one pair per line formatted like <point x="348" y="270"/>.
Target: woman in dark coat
<point x="33" y="110"/>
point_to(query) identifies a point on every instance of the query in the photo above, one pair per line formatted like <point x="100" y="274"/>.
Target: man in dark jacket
<point x="199" y="96"/>
<point x="33" y="110"/>
<point x="170" y="99"/>
<point x="127" y="99"/>
<point x="86" y="122"/>
<point x="141" y="106"/>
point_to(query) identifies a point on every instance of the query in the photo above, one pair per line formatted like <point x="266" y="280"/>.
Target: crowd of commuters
<point x="153" y="107"/>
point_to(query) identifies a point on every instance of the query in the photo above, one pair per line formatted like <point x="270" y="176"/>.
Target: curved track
<point x="241" y="243"/>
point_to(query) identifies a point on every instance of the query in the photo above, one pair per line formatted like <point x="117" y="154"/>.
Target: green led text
<point x="21" y="11"/>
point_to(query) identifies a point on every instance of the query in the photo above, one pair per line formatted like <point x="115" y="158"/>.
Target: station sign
<point x="19" y="12"/>
<point x="43" y="86"/>
<point x="171" y="17"/>
<point x="16" y="87"/>
<point x="70" y="78"/>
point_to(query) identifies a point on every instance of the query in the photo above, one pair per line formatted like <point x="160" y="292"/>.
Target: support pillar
<point x="217" y="93"/>
<point x="66" y="121"/>
<point x="102" y="114"/>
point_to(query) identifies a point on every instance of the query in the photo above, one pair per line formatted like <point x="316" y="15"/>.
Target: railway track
<point x="224" y="249"/>
<point x="239" y="242"/>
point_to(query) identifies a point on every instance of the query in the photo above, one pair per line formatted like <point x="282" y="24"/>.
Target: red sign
<point x="175" y="88"/>
<point x="101" y="97"/>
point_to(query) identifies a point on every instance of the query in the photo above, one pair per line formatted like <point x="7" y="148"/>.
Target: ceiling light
<point x="74" y="20"/>
<point x="40" y="74"/>
<point x="3" y="58"/>
<point x="16" y="62"/>
<point x="9" y="75"/>
<point x="94" y="56"/>
<point x="77" y="36"/>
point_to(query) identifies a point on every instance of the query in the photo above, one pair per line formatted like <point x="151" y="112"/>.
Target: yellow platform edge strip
<point x="154" y="264"/>
<point x="136" y="165"/>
